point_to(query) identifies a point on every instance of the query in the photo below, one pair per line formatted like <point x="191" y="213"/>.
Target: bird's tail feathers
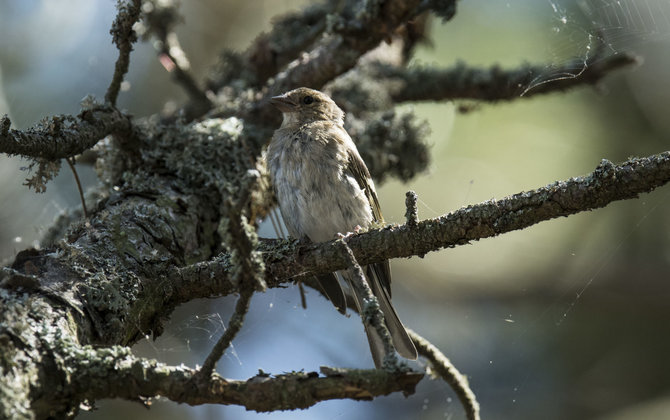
<point x="330" y="287"/>
<point x="401" y="340"/>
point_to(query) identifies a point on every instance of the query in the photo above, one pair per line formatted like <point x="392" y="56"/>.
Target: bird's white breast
<point x="317" y="197"/>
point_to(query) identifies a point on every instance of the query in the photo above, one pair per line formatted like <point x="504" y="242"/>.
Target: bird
<point x="324" y="188"/>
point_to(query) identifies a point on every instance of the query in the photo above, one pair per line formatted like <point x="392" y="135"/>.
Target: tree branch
<point x="370" y="311"/>
<point x="173" y="58"/>
<point x="161" y="17"/>
<point x="494" y="84"/>
<point x="338" y="53"/>
<point x="117" y="277"/>
<point x="78" y="182"/>
<point x="290" y="35"/>
<point x="352" y="30"/>
<point x="63" y="136"/>
<point x="241" y="241"/>
<point x="448" y="372"/>
<point x="411" y="210"/>
<point x="290" y="260"/>
<point x="234" y="326"/>
<point x="123" y="36"/>
<point x="115" y="372"/>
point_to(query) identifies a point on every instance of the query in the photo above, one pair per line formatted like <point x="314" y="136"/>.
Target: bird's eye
<point x="307" y="100"/>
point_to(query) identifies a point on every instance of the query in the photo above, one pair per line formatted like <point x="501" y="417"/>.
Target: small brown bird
<point x="324" y="188"/>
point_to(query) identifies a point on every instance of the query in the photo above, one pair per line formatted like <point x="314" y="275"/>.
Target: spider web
<point x="581" y="27"/>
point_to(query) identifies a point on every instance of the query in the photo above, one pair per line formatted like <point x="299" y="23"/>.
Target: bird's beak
<point x="283" y="103"/>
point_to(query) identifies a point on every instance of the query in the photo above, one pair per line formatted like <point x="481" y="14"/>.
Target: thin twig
<point x="174" y="60"/>
<point x="76" y="179"/>
<point x="411" y="211"/>
<point x="160" y="20"/>
<point x="234" y="326"/>
<point x="303" y="298"/>
<point x="443" y="367"/>
<point x="123" y="36"/>
<point x="371" y="313"/>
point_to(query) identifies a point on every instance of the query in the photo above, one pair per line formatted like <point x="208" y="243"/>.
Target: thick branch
<point x="105" y="282"/>
<point x="63" y="136"/>
<point x="284" y="261"/>
<point x="115" y="372"/>
<point x="495" y="84"/>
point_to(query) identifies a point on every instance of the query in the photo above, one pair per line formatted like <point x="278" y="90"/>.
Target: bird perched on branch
<point x="324" y="188"/>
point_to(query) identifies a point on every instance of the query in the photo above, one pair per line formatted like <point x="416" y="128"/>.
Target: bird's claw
<point x="347" y="235"/>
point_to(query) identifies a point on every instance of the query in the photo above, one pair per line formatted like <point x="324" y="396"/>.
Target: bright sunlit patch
<point x="166" y="62"/>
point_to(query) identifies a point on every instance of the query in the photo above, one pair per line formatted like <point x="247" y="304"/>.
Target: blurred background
<point x="567" y="319"/>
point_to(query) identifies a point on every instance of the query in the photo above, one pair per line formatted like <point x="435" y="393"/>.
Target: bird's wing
<point x="356" y="167"/>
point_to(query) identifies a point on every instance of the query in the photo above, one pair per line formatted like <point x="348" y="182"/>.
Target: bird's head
<point x="304" y="105"/>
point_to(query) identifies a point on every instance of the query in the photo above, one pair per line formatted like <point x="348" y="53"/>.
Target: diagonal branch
<point x="286" y="261"/>
<point x="348" y="30"/>
<point x="70" y="162"/>
<point x="161" y="18"/>
<point x="234" y="326"/>
<point x="340" y="52"/>
<point x="270" y="51"/>
<point x="447" y="371"/>
<point x="174" y="60"/>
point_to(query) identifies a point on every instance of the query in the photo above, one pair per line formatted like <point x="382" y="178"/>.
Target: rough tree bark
<point x="174" y="217"/>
